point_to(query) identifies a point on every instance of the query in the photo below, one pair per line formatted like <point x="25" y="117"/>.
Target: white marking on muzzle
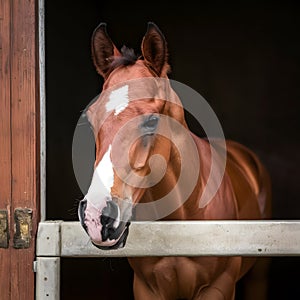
<point x="102" y="182"/>
<point x="117" y="221"/>
<point x="118" y="100"/>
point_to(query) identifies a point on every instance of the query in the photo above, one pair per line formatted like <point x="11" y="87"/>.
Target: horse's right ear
<point x="103" y="50"/>
<point x="154" y="50"/>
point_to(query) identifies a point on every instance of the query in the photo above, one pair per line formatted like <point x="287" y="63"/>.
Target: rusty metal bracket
<point x="23" y="228"/>
<point x="4" y="232"/>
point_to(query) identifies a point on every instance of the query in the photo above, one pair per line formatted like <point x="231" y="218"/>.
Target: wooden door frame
<point x="20" y="143"/>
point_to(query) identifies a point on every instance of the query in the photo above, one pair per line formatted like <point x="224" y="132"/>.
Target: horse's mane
<point x="128" y="58"/>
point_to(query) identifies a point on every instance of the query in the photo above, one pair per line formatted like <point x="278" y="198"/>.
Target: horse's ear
<point x="154" y="50"/>
<point x="103" y="50"/>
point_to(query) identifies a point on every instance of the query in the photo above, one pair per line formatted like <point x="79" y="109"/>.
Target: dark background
<point x="244" y="59"/>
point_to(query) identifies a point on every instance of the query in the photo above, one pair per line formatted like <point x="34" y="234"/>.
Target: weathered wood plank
<point x="5" y="138"/>
<point x="2" y="9"/>
<point x="48" y="278"/>
<point x="25" y="138"/>
<point x="5" y="130"/>
<point x="48" y="238"/>
<point x="191" y="238"/>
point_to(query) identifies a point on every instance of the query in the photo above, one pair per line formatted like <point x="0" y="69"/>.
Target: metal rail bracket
<point x="23" y="228"/>
<point x="4" y="231"/>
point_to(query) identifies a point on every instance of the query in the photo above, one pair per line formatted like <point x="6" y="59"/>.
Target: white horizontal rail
<point x="177" y="238"/>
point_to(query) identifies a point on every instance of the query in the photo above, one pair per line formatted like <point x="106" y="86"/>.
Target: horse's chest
<point x="182" y="276"/>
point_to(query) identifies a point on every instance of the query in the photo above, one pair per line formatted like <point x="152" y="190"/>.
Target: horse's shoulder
<point x="246" y="173"/>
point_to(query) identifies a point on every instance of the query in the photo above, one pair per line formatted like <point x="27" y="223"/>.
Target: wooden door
<point x="19" y="146"/>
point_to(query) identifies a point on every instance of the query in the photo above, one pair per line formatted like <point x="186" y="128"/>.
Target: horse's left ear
<point x="154" y="50"/>
<point x="103" y="50"/>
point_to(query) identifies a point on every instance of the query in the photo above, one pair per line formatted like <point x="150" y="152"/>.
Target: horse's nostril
<point x="108" y="218"/>
<point x="82" y="205"/>
<point x="82" y="208"/>
<point x="109" y="213"/>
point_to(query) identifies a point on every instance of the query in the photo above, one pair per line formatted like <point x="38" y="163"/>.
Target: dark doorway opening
<point x="244" y="60"/>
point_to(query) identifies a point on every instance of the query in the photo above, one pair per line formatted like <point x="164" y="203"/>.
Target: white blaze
<point x="117" y="221"/>
<point x="102" y="182"/>
<point x="105" y="170"/>
<point x="118" y="100"/>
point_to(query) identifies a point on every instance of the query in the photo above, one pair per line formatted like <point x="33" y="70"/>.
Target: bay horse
<point x="141" y="137"/>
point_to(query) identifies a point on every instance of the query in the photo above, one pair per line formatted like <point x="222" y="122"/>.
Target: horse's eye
<point x="151" y="123"/>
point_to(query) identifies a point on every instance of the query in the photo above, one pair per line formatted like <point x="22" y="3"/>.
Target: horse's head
<point x="130" y="156"/>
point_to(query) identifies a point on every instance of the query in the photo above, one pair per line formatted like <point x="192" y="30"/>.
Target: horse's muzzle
<point x="119" y="244"/>
<point x="106" y="228"/>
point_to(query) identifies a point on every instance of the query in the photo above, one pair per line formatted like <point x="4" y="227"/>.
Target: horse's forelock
<point x="127" y="58"/>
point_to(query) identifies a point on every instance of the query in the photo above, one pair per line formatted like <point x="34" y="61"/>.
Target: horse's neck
<point x="220" y="206"/>
<point x="186" y="201"/>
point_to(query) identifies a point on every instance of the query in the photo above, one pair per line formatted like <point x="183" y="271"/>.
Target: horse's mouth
<point x="120" y="242"/>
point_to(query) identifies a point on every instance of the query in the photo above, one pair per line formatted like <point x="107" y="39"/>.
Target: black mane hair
<point x="128" y="58"/>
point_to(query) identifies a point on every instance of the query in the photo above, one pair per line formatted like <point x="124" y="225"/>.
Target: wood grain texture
<point x="24" y="129"/>
<point x="19" y="131"/>
<point x="5" y="137"/>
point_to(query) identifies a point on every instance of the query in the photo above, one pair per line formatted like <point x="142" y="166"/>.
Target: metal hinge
<point x="23" y="228"/>
<point x="4" y="232"/>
